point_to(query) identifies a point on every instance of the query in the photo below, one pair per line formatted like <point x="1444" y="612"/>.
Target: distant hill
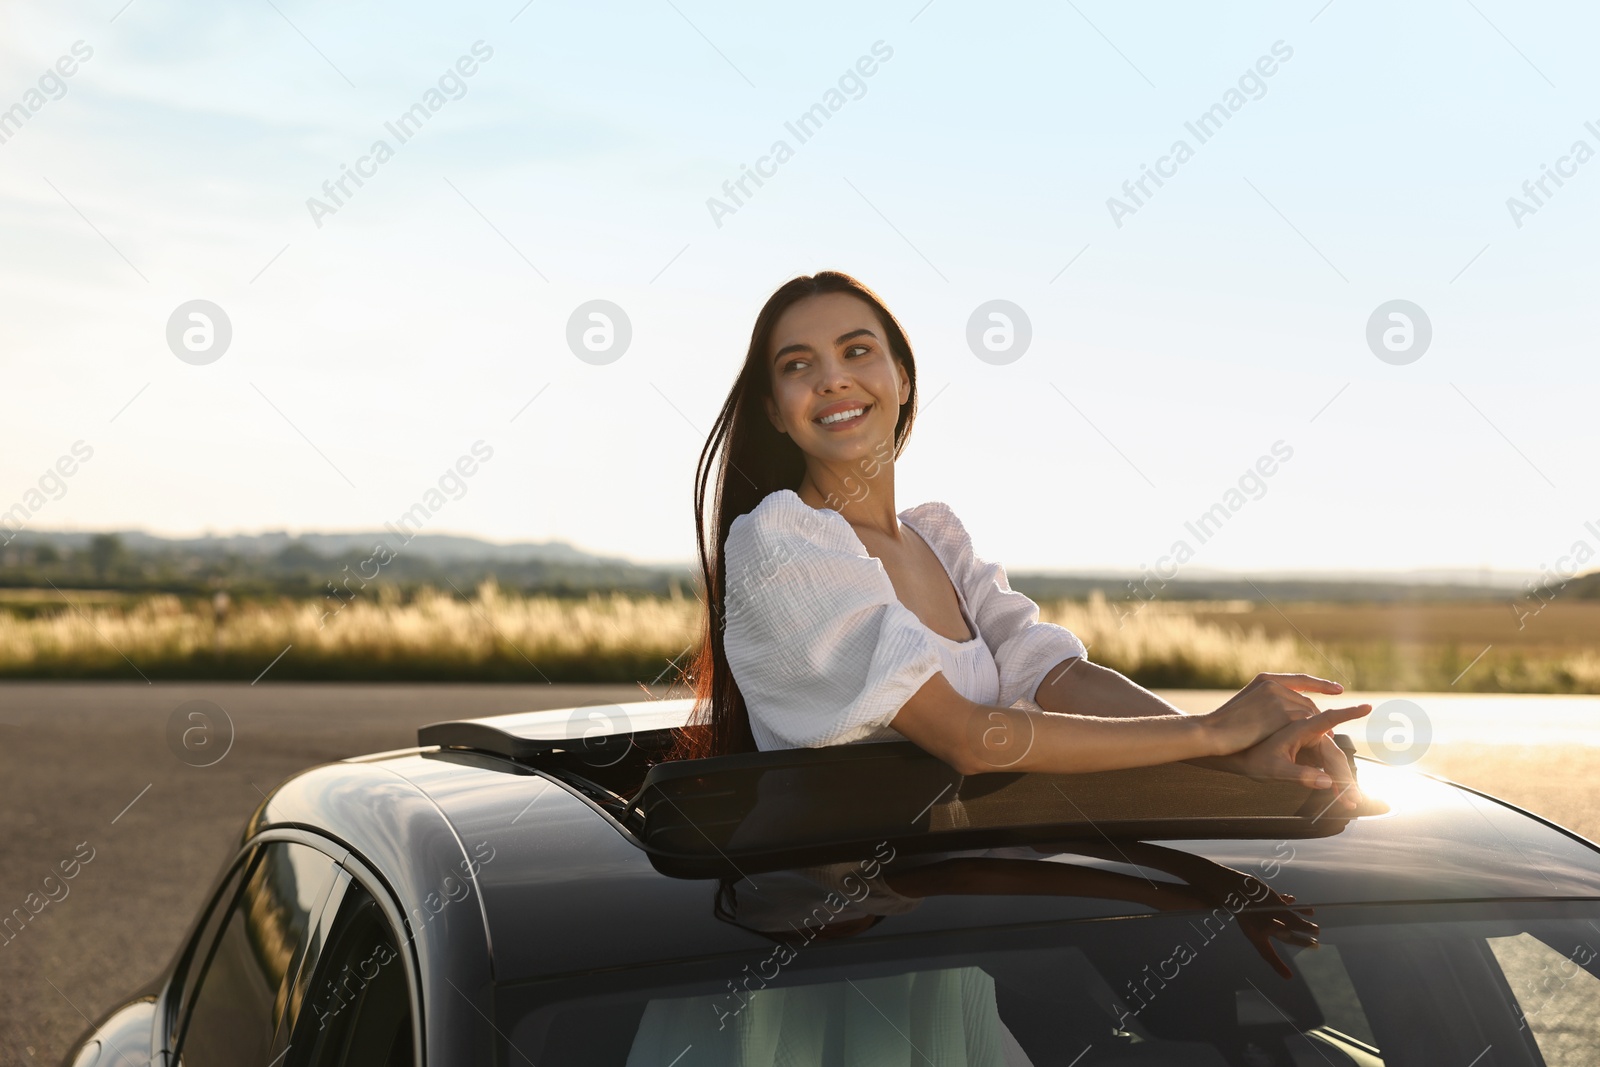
<point x="1235" y="587"/>
<point x="303" y="564"/>
<point x="1583" y="587"/>
<point x="277" y="563"/>
<point x="440" y="547"/>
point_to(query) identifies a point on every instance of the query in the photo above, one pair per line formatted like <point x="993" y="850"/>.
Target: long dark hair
<point x="753" y="459"/>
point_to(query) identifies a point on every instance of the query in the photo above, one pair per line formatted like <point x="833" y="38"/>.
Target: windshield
<point x="1392" y="985"/>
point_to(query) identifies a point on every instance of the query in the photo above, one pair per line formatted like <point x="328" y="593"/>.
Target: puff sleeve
<point x="1024" y="648"/>
<point x="821" y="648"/>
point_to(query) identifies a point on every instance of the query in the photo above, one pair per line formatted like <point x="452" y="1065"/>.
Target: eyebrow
<point x="841" y="339"/>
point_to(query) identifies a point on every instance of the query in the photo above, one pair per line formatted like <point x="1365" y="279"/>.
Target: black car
<point x="544" y="889"/>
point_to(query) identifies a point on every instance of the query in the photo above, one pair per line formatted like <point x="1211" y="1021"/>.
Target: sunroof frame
<point x="731" y="815"/>
<point x="794" y="807"/>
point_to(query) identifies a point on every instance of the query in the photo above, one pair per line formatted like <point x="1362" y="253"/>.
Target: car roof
<point x="566" y="885"/>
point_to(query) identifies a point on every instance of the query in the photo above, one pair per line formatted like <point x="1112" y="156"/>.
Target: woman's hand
<point x="1269" y="703"/>
<point x="1304" y="752"/>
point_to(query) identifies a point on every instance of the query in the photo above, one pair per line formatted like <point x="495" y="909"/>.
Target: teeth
<point x="840" y="416"/>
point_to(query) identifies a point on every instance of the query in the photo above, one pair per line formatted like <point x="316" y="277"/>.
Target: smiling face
<point x="830" y="357"/>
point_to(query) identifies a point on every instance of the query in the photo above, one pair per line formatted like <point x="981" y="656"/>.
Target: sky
<point x="1182" y="339"/>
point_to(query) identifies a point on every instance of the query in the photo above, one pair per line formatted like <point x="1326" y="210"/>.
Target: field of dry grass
<point x="1500" y="647"/>
<point x="1428" y="647"/>
<point x="489" y="635"/>
<point x="486" y="636"/>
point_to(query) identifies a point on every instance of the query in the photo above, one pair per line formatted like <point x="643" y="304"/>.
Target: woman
<point x="834" y="618"/>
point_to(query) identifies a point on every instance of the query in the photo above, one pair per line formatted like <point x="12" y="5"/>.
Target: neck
<point x="861" y="491"/>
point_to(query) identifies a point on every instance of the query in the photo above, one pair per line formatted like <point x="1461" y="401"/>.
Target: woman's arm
<point x="975" y="738"/>
<point x="1077" y="687"/>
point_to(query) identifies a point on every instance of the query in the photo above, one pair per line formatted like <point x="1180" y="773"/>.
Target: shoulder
<point x="797" y="568"/>
<point x="784" y="522"/>
<point x="939" y="525"/>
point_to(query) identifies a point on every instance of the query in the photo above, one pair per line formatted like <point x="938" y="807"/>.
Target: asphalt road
<point x="90" y="766"/>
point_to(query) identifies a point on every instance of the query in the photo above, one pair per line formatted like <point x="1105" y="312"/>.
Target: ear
<point x="905" y="381"/>
<point x="772" y="414"/>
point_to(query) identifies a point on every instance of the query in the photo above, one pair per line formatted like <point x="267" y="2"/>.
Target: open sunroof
<point x="732" y="815"/>
<point x="736" y="814"/>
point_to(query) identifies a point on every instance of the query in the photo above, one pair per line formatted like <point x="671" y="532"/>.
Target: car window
<point x="242" y="989"/>
<point x="1560" y="1001"/>
<point x="1390" y="986"/>
<point x="1331" y="985"/>
<point x="185" y="979"/>
<point x="358" y="1001"/>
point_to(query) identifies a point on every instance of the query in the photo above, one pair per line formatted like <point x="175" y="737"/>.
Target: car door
<point x="240" y="1004"/>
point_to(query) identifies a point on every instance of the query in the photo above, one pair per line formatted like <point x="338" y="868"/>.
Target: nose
<point x="833" y="375"/>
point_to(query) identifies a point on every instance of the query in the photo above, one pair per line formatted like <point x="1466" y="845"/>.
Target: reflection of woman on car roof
<point x="937" y="1014"/>
<point x="833" y="618"/>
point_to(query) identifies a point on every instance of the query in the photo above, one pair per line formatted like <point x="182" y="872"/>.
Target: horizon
<point x="1417" y="575"/>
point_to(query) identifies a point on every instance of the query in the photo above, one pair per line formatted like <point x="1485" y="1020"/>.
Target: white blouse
<point x="824" y="652"/>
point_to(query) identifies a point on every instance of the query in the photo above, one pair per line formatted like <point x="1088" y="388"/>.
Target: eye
<point x="866" y="350"/>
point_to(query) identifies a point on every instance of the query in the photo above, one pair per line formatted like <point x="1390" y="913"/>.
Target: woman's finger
<point x="1287" y="690"/>
<point x="1320" y="761"/>
<point x="1313" y="777"/>
<point x="1338" y="765"/>
<point x="1326" y="720"/>
<point x="1282" y="763"/>
<point x="1303" y="683"/>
